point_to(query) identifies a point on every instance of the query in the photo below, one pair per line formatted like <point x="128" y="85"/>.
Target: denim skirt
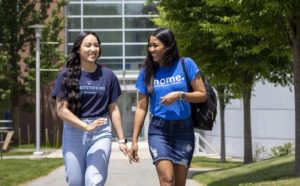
<point x="171" y="140"/>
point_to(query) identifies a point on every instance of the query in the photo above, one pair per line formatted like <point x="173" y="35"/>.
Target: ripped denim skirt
<point x="171" y="140"/>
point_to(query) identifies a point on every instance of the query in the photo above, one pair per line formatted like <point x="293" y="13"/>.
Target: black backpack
<point x="203" y="114"/>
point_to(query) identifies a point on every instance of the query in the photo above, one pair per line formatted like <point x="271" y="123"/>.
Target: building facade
<point x="123" y="27"/>
<point x="272" y="122"/>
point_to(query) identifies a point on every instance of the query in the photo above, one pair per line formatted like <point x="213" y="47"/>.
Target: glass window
<point x="137" y="36"/>
<point x="101" y="23"/>
<point x="140" y="9"/>
<point x="105" y="37"/>
<point x="135" y="64"/>
<point x="133" y="22"/>
<point x="114" y="64"/>
<point x="109" y="60"/>
<point x="110" y="37"/>
<point x="136" y="50"/>
<point x="74" y="23"/>
<point x="102" y="9"/>
<point x="69" y="49"/>
<point x="72" y="36"/>
<point x="111" y="50"/>
<point x="135" y="60"/>
<point x="74" y="9"/>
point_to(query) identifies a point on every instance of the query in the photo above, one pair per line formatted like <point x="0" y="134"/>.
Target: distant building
<point x="272" y="121"/>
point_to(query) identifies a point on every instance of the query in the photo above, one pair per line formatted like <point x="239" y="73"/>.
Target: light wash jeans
<point x="86" y="154"/>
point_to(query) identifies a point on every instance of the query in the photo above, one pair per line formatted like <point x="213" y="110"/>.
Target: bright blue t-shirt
<point x="97" y="90"/>
<point x="169" y="79"/>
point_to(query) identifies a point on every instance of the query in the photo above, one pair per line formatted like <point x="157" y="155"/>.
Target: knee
<point x="167" y="179"/>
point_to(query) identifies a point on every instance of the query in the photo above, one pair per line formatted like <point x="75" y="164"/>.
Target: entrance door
<point x="127" y="105"/>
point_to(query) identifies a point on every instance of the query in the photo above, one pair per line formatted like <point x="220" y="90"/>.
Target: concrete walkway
<point x="120" y="172"/>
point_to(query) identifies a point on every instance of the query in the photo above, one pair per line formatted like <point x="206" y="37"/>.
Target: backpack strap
<point x="185" y="74"/>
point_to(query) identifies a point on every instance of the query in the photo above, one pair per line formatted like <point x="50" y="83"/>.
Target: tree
<point x="4" y="92"/>
<point x="236" y="55"/>
<point x="254" y="57"/>
<point x="284" y="16"/>
<point x="16" y="38"/>
<point x="198" y="43"/>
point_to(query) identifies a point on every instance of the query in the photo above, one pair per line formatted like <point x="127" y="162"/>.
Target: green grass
<point x="204" y="162"/>
<point x="17" y="153"/>
<point x="29" y="146"/>
<point x="16" y="171"/>
<point x="277" y="171"/>
<point x="24" y="152"/>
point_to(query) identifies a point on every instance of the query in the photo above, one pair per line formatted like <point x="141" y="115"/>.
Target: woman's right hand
<point x="96" y="123"/>
<point x="133" y="155"/>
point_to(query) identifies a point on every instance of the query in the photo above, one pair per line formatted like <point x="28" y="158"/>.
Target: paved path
<point x="120" y="172"/>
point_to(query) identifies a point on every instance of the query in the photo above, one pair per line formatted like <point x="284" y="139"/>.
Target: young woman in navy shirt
<point x="162" y="85"/>
<point x="86" y="100"/>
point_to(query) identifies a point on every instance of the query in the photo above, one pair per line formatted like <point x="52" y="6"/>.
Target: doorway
<point x="127" y="105"/>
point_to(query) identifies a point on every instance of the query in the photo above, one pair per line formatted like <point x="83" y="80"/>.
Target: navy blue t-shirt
<point x="97" y="90"/>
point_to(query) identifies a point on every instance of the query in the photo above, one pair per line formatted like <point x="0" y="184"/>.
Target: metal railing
<point x="202" y="146"/>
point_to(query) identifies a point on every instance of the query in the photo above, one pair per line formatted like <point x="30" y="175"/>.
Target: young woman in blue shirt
<point x="161" y="84"/>
<point x="86" y="96"/>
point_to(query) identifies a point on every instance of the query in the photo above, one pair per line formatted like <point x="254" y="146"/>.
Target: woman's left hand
<point x="170" y="98"/>
<point x="123" y="148"/>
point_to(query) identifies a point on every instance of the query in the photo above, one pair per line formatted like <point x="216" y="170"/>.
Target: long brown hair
<point x="70" y="84"/>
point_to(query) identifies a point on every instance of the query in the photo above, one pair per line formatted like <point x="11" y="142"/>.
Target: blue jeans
<point x="171" y="140"/>
<point x="86" y="154"/>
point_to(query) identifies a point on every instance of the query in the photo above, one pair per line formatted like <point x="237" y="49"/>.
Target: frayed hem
<point x="168" y="159"/>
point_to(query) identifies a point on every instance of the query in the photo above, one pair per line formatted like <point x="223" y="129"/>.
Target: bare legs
<point x="170" y="174"/>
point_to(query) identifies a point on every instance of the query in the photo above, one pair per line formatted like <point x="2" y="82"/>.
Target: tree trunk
<point x="248" y="157"/>
<point x="296" y="61"/>
<point x="222" y="121"/>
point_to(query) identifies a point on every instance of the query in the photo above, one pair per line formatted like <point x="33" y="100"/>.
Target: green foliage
<point x="51" y="56"/>
<point x="229" y="50"/>
<point x="4" y="92"/>
<point x="259" y="153"/>
<point x="232" y="45"/>
<point x="16" y="38"/>
<point x="185" y="18"/>
<point x="283" y="150"/>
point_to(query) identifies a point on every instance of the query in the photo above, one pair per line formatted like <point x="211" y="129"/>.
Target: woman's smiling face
<point x="157" y="49"/>
<point x="89" y="49"/>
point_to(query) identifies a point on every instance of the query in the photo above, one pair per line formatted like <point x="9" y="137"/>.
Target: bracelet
<point x="123" y="141"/>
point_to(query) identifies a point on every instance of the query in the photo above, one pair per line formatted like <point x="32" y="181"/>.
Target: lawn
<point x="276" y="171"/>
<point x="16" y="171"/>
<point x="205" y="162"/>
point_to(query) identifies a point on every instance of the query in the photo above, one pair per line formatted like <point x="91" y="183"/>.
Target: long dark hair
<point x="171" y="53"/>
<point x="70" y="83"/>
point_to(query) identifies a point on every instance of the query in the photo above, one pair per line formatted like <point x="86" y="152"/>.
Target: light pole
<point x="38" y="29"/>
